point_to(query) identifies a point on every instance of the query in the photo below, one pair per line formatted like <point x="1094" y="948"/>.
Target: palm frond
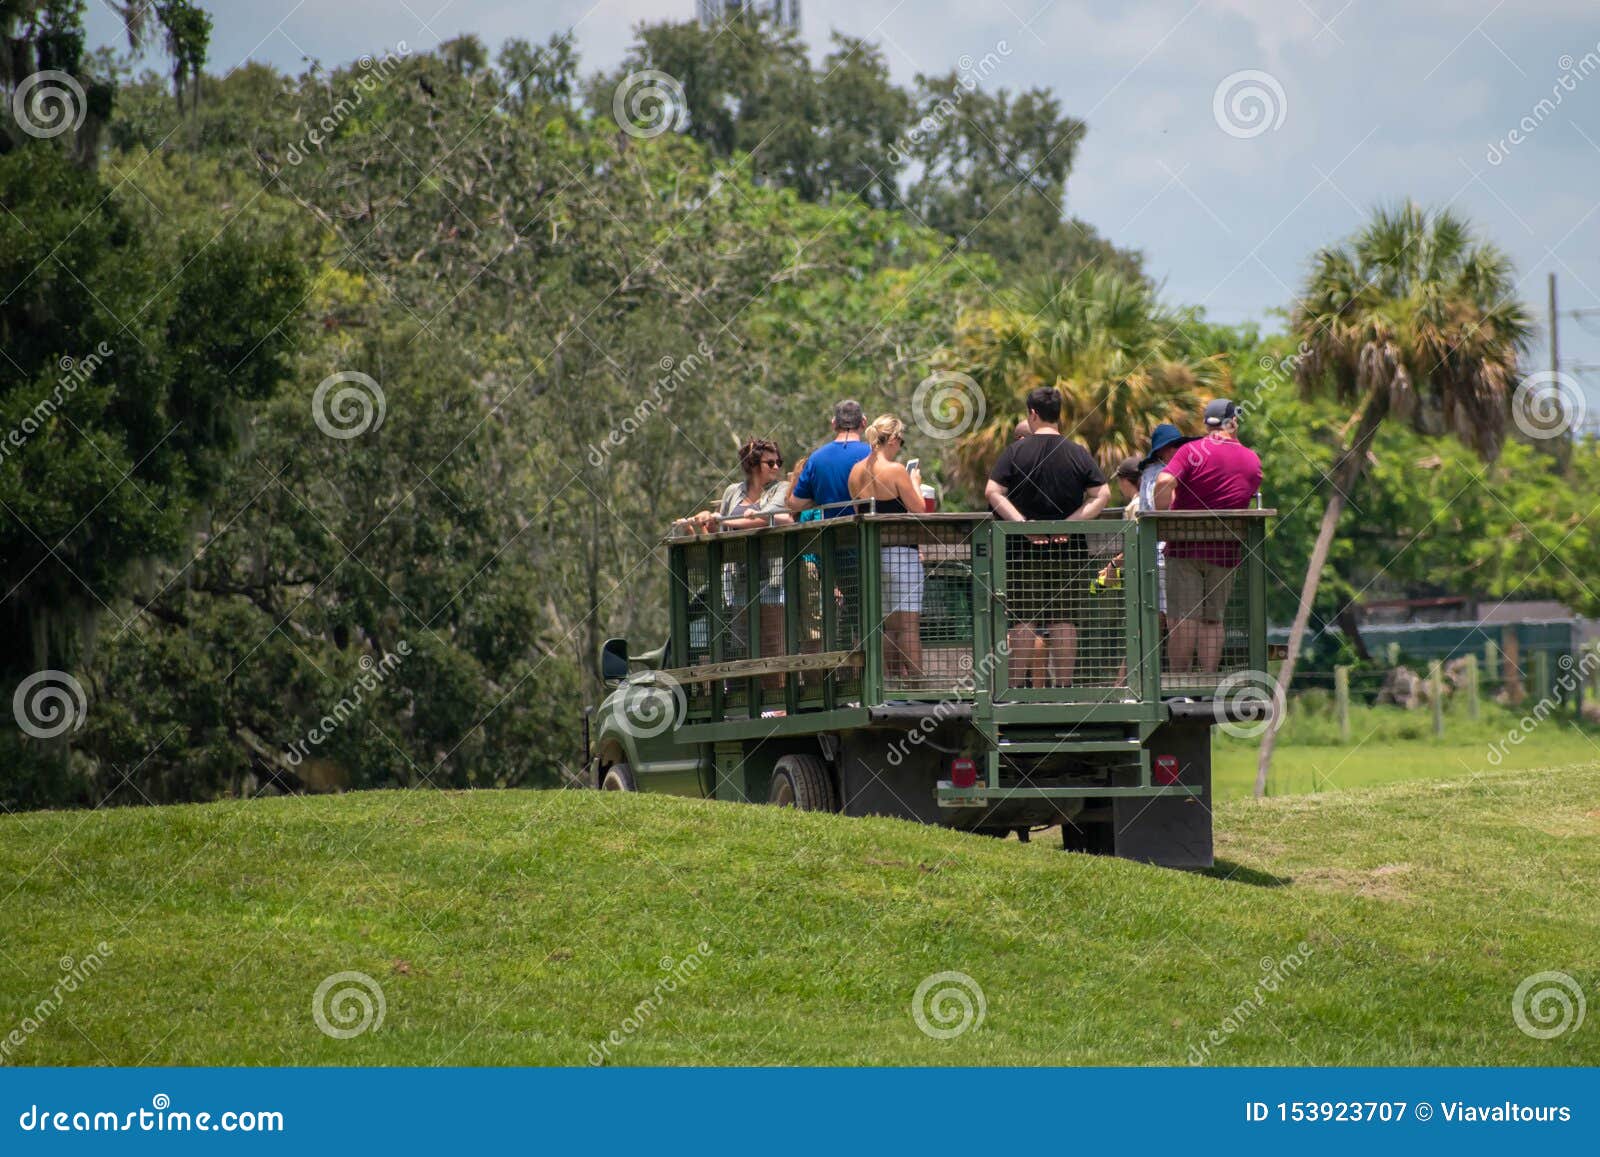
<point x="1416" y="310"/>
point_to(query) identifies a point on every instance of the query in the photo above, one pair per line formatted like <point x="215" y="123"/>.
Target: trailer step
<point x="1068" y="746"/>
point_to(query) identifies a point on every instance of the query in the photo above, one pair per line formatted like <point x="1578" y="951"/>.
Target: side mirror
<point x="614" y="661"/>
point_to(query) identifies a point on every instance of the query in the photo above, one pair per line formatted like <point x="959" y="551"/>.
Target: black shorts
<point x="1048" y="582"/>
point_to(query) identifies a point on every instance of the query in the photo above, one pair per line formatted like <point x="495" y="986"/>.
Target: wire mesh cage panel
<point x="771" y="599"/>
<point x="694" y="599"/>
<point x="1205" y="562"/>
<point x="825" y="577"/>
<point x="730" y="617"/>
<point x="805" y="581"/>
<point x="841" y="580"/>
<point x="1066" y="608"/>
<point x="925" y="585"/>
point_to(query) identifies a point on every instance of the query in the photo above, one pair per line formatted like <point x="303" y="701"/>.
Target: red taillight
<point x="963" y="773"/>
<point x="1166" y="769"/>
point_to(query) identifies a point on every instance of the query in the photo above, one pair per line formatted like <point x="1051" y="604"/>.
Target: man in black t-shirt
<point x="1045" y="477"/>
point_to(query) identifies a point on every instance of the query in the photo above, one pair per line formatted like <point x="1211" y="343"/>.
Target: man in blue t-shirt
<point x="825" y="481"/>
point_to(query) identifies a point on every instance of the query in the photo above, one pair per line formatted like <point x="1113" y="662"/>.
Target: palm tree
<point x="1122" y="361"/>
<point x="1413" y="318"/>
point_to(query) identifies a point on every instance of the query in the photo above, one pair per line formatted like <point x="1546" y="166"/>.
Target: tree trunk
<point x="1345" y="475"/>
<point x="1346" y="618"/>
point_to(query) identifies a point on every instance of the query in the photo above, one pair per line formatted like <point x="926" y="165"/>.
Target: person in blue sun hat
<point x="1165" y="441"/>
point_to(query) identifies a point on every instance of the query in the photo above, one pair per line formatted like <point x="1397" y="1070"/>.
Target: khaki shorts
<point x="1197" y="589"/>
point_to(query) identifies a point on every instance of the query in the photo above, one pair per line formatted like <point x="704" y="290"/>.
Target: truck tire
<point x="802" y="781"/>
<point x="618" y="777"/>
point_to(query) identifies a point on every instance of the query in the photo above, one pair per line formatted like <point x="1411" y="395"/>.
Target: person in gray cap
<point x="825" y="479"/>
<point x="1216" y="473"/>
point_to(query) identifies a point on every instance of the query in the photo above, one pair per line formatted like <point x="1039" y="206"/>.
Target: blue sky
<point x="1378" y="101"/>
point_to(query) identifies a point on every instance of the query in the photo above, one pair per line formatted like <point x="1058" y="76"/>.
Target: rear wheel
<point x="618" y="777"/>
<point x="802" y="781"/>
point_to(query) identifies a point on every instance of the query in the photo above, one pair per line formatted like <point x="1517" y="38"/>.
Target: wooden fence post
<point x="1341" y="695"/>
<point x="1436" y="693"/>
<point x="1511" y="678"/>
<point x="1472" y="686"/>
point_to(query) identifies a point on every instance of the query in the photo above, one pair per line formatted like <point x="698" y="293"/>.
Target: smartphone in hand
<point x="913" y="465"/>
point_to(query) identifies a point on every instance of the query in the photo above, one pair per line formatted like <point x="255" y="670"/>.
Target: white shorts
<point x="902" y="579"/>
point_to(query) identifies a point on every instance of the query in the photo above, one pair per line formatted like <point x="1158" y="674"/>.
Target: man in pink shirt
<point x="1216" y="472"/>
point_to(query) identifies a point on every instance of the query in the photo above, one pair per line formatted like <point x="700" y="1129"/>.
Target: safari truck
<point x="1031" y="688"/>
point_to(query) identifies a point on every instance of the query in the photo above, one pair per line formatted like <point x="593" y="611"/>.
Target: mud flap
<point x="1173" y="831"/>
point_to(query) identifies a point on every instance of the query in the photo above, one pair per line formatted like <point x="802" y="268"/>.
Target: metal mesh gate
<point x="1065" y="607"/>
<point x="1206" y="598"/>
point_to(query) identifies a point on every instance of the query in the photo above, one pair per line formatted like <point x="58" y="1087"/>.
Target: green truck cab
<point x="952" y="669"/>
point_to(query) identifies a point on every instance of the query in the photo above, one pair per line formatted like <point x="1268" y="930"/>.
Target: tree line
<point x="404" y="365"/>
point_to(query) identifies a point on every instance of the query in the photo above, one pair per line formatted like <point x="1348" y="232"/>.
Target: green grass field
<point x="526" y="927"/>
<point x="1389" y="745"/>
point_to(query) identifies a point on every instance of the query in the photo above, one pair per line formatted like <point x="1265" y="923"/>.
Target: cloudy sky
<point x="1347" y="104"/>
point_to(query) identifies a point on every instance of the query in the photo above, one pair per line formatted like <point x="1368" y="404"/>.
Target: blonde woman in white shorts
<point x="890" y="488"/>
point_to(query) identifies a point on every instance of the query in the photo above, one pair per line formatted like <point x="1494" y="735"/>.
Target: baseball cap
<point x="1219" y="412"/>
<point x="847" y="415"/>
<point x="1129" y="468"/>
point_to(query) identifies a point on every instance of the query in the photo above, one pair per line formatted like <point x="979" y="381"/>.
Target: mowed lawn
<point x="1302" y="769"/>
<point x="1389" y="745"/>
<point x="528" y="927"/>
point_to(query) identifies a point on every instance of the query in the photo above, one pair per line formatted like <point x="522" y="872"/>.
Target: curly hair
<point x="751" y="453"/>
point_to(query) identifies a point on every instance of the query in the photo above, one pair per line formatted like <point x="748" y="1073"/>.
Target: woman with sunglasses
<point x="756" y="502"/>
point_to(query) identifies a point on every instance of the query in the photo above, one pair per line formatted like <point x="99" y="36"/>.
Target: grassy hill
<point x="525" y="927"/>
